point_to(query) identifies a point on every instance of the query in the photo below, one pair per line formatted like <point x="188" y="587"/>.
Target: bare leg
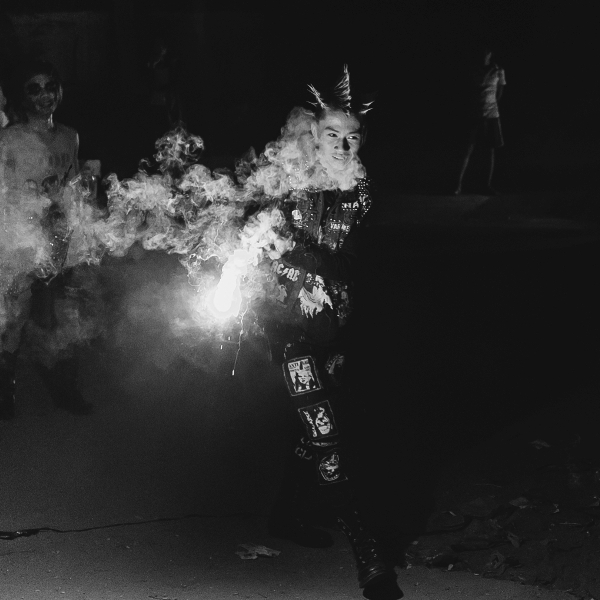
<point x="464" y="168"/>
<point x="491" y="172"/>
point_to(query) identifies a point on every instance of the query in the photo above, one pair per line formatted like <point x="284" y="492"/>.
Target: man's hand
<point x="304" y="256"/>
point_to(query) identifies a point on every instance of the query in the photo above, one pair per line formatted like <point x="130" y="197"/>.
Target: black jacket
<point x="316" y="276"/>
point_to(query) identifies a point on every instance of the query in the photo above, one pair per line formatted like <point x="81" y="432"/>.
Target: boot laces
<point x="364" y="546"/>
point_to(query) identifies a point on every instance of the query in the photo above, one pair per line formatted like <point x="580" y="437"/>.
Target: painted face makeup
<point x="42" y="95"/>
<point x="35" y="89"/>
<point x="339" y="139"/>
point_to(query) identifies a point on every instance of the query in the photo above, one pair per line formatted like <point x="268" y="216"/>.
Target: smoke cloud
<point x="215" y="222"/>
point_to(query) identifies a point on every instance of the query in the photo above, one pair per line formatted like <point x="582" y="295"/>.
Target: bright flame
<point x="223" y="298"/>
<point x="227" y="299"/>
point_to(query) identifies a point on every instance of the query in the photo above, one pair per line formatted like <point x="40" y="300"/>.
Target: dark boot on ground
<point x="374" y="574"/>
<point x="383" y="588"/>
<point x="289" y="519"/>
<point x="8" y="385"/>
<point x="61" y="383"/>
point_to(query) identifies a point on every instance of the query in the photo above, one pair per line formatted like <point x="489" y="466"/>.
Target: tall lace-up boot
<point x="375" y="576"/>
<point x="7" y="385"/>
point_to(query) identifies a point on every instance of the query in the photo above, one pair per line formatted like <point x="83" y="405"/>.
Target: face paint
<point x="42" y="95"/>
<point x="339" y="139"/>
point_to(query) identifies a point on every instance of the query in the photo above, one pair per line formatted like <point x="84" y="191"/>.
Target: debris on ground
<point x="537" y="523"/>
<point x="251" y="551"/>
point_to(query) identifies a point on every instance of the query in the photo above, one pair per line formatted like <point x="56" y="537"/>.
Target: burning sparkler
<point x="260" y="239"/>
<point x="227" y="298"/>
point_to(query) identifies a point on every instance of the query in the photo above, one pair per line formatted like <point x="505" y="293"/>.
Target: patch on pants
<point x="301" y="375"/>
<point x="303" y="449"/>
<point x="318" y="420"/>
<point x="329" y="469"/>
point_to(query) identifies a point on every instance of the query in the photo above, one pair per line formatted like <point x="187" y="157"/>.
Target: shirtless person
<point x="39" y="155"/>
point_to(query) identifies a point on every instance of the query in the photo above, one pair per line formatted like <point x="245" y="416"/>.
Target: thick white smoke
<point x="182" y="208"/>
<point x="24" y="249"/>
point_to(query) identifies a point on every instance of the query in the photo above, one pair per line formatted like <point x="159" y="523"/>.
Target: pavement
<point x="511" y="221"/>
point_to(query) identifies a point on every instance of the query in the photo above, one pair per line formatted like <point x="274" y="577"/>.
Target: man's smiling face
<point x="339" y="138"/>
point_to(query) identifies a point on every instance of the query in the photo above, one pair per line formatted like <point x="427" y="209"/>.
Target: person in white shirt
<point x="487" y="86"/>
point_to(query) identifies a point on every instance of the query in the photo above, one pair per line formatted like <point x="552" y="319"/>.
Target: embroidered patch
<point x="301" y="376"/>
<point x="313" y="302"/>
<point x="303" y="449"/>
<point x="329" y="469"/>
<point x="318" y="420"/>
<point x="289" y="282"/>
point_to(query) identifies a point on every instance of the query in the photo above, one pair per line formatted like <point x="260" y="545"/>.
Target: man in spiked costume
<point x="315" y="281"/>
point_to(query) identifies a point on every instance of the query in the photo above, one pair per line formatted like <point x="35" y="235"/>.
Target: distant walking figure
<point x="488" y="81"/>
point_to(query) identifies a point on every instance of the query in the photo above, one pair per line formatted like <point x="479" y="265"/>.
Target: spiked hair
<point x="341" y="91"/>
<point x="340" y="97"/>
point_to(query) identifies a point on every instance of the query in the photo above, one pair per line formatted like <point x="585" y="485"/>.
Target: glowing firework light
<point x="261" y="239"/>
<point x="227" y="298"/>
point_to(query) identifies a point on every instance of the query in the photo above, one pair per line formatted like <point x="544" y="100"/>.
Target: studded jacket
<point x="317" y="274"/>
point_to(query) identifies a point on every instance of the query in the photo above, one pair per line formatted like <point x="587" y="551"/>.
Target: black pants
<point x="313" y="375"/>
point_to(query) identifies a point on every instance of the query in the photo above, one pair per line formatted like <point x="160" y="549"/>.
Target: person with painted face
<point x="39" y="156"/>
<point x="326" y="216"/>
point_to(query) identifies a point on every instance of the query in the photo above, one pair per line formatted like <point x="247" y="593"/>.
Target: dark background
<point x="452" y="340"/>
<point x="240" y="68"/>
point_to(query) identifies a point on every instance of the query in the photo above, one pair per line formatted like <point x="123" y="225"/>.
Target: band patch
<point x="289" y="283"/>
<point x="329" y="469"/>
<point x="318" y="420"/>
<point x="303" y="449"/>
<point x="301" y="376"/>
